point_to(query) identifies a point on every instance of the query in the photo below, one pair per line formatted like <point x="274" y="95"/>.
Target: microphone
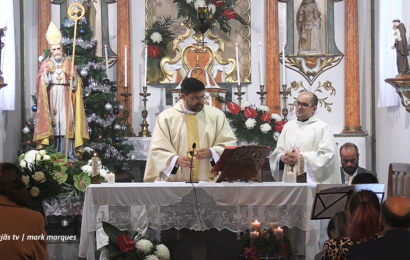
<point x="192" y="160"/>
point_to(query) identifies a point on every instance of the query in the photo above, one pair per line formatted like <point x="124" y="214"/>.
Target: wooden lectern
<point x="241" y="163"/>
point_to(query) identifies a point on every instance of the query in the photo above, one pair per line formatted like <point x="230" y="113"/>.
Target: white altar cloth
<point x="164" y="205"/>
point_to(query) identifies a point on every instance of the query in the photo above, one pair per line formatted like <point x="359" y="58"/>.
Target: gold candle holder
<point x="285" y="92"/>
<point x="239" y="93"/>
<point x="262" y="93"/>
<point x="144" y="125"/>
<point x="126" y="112"/>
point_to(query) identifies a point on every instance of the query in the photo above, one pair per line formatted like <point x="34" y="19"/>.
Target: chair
<point x="398" y="182"/>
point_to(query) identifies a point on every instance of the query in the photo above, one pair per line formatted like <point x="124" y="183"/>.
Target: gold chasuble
<point x="174" y="134"/>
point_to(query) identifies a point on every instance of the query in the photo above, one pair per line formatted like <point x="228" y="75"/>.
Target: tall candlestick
<point x="94" y="165"/>
<point x="273" y="226"/>
<point x="106" y="60"/>
<point x="125" y="67"/>
<point x="283" y="59"/>
<point x="237" y="64"/>
<point x="256" y="226"/>
<point x="301" y="164"/>
<point x="146" y="68"/>
<point x="260" y="59"/>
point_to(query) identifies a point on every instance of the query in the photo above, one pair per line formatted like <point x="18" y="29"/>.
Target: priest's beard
<point x="194" y="107"/>
<point x="58" y="57"/>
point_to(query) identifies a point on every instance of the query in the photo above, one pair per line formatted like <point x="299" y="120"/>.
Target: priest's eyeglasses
<point x="304" y="105"/>
<point x="196" y="99"/>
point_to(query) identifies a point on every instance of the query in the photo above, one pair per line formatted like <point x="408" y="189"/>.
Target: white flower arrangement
<point x="263" y="108"/>
<point x="35" y="191"/>
<point x="276" y="117"/>
<point x="156" y="37"/>
<point x="144" y="245"/>
<point x="39" y="177"/>
<point x="188" y="1"/>
<point x="250" y="123"/>
<point x="265" y="128"/>
<point x="276" y="135"/>
<point x="151" y="257"/>
<point x="245" y="105"/>
<point x="162" y="252"/>
<point x="26" y="180"/>
<point x="88" y="150"/>
<point x="212" y="8"/>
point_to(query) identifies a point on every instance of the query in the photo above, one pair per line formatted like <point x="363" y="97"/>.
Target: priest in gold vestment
<point x="178" y="128"/>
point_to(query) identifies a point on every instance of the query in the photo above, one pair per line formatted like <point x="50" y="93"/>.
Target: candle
<point x="106" y="60"/>
<point x="301" y="164"/>
<point x="291" y="177"/>
<point x="94" y="165"/>
<point x="125" y="67"/>
<point x="237" y="64"/>
<point x="278" y="233"/>
<point x="283" y="59"/>
<point x="273" y="226"/>
<point x="254" y="235"/>
<point x="260" y="60"/>
<point x="256" y="226"/>
<point x="146" y="68"/>
<point x="111" y="178"/>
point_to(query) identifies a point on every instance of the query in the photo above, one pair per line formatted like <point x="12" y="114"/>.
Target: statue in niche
<point x="308" y="24"/>
<point x="400" y="44"/>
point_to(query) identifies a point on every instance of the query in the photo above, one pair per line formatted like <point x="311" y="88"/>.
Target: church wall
<point x="392" y="124"/>
<point x="10" y="121"/>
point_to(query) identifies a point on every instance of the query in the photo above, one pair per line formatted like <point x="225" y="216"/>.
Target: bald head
<point x="396" y="212"/>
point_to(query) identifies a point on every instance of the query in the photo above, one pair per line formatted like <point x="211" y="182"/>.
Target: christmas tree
<point x="106" y="128"/>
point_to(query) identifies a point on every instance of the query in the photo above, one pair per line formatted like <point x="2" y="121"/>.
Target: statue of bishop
<point x="53" y="86"/>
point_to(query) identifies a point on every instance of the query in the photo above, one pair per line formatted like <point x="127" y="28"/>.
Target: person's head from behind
<point x="349" y="155"/>
<point x="193" y="94"/>
<point x="11" y="184"/>
<point x="396" y="213"/>
<point x="123" y="176"/>
<point x="364" y="214"/>
<point x="306" y="106"/>
<point x="364" y="178"/>
<point x="337" y="226"/>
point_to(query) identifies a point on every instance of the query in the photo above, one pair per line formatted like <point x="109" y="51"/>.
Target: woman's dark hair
<point x="11" y="184"/>
<point x="364" y="209"/>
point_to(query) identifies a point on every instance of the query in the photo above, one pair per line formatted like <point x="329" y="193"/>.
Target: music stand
<point x="241" y="163"/>
<point x="332" y="198"/>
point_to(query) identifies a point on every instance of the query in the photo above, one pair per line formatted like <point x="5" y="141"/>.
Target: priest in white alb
<point x="310" y="137"/>
<point x="177" y="129"/>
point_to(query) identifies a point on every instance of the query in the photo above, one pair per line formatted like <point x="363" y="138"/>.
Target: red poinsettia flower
<point x="218" y="2"/>
<point x="125" y="243"/>
<point x="250" y="112"/>
<point x="266" y="118"/>
<point x="230" y="14"/>
<point x="234" y="108"/>
<point x="279" y="126"/>
<point x="153" y="51"/>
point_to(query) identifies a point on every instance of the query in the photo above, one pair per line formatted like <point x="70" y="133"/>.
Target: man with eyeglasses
<point x="310" y="137"/>
<point x="53" y="84"/>
<point x="177" y="129"/>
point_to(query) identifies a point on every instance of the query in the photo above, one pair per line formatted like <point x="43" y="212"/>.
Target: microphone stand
<point x="192" y="161"/>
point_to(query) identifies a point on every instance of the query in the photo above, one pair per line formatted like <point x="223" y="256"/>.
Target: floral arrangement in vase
<point x="254" y="125"/>
<point x="219" y="11"/>
<point x="132" y="244"/>
<point x="157" y="38"/>
<point x="266" y="245"/>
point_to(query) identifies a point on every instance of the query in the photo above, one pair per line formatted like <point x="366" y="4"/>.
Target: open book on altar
<point x="241" y="163"/>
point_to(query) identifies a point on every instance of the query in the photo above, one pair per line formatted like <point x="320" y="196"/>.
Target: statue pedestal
<point x="402" y="86"/>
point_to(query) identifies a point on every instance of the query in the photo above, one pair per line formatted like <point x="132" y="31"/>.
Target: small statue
<point x="400" y="45"/>
<point x="2" y="30"/>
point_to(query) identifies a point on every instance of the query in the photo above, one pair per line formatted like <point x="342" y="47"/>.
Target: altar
<point x="165" y="205"/>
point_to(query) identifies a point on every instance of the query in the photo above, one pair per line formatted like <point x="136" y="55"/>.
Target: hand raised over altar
<point x="184" y="162"/>
<point x="203" y="153"/>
